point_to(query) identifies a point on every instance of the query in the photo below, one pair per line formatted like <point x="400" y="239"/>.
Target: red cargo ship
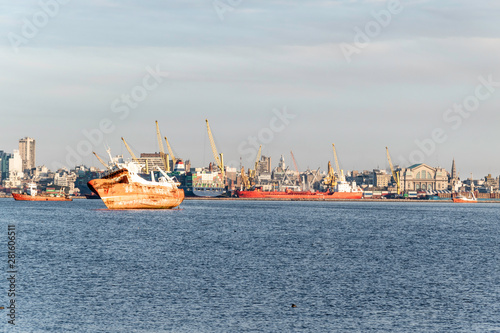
<point x="343" y="191"/>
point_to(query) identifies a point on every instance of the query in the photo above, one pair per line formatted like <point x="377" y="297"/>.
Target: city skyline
<point x="267" y="160"/>
<point x="361" y="74"/>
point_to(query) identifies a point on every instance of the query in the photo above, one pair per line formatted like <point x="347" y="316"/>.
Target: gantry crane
<point x="395" y="174"/>
<point x="101" y="160"/>
<point x="219" y="159"/>
<point x="130" y="151"/>
<point x="164" y="157"/>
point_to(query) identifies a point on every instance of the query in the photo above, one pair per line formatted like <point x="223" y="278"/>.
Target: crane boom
<point x="130" y="150"/>
<point x="171" y="152"/>
<point x="164" y="157"/>
<point x="253" y="173"/>
<point x="218" y="159"/>
<point x="339" y="172"/>
<point x="100" y="160"/>
<point x="296" y="167"/>
<point x="395" y="175"/>
<point x="258" y="157"/>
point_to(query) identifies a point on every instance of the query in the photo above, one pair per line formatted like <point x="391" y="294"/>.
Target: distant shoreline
<point x="312" y="200"/>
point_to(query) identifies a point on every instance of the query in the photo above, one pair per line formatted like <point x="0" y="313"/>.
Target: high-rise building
<point x="27" y="152"/>
<point x="264" y="165"/>
<point x="4" y="165"/>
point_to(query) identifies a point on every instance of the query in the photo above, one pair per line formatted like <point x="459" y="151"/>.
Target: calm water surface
<point x="235" y="266"/>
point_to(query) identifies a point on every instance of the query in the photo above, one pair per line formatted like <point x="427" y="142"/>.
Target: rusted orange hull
<point x="457" y="200"/>
<point x="123" y="195"/>
<point x="25" y="197"/>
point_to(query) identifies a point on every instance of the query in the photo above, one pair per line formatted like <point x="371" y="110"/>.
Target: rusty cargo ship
<point x="123" y="187"/>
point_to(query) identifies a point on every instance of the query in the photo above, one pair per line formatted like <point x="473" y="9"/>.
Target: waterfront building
<point x="4" y="165"/>
<point x="381" y="179"/>
<point x="28" y="154"/>
<point x="65" y="179"/>
<point x="15" y="175"/>
<point x="423" y="177"/>
<point x="264" y="165"/>
<point x="491" y="184"/>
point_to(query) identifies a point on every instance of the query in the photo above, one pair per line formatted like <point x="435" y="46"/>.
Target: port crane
<point x="395" y="174"/>
<point x="164" y="157"/>
<point x="101" y="160"/>
<point x="296" y="167"/>
<point x="252" y="174"/>
<point x="330" y="181"/>
<point x="219" y="159"/>
<point x="244" y="179"/>
<point x="130" y="151"/>
<point x="340" y="173"/>
<point x="171" y="152"/>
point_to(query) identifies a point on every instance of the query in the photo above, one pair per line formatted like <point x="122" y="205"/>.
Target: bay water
<point x="239" y="266"/>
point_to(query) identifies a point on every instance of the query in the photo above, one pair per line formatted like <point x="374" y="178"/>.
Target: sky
<point x="420" y="77"/>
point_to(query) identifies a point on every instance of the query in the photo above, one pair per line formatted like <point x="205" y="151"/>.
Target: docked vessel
<point x="343" y="191"/>
<point x="122" y="187"/>
<point x="465" y="199"/>
<point x="202" y="183"/>
<point x="33" y="195"/>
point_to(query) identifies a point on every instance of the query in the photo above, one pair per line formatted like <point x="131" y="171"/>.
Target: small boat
<point x="32" y="195"/>
<point x="465" y="199"/>
<point x="123" y="187"/>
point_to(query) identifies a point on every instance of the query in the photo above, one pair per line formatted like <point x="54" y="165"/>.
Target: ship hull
<point x="135" y="196"/>
<point x="204" y="192"/>
<point x="292" y="195"/>
<point x="25" y="197"/>
<point x="457" y="200"/>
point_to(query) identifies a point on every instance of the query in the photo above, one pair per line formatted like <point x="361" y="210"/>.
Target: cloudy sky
<point x="421" y="77"/>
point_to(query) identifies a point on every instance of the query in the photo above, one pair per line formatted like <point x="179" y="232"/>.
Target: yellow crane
<point x="244" y="179"/>
<point x="253" y="173"/>
<point x="164" y="157"/>
<point x="130" y="151"/>
<point x="330" y="180"/>
<point x="395" y="174"/>
<point x="101" y="160"/>
<point x="171" y="152"/>
<point x="340" y="173"/>
<point x="219" y="159"/>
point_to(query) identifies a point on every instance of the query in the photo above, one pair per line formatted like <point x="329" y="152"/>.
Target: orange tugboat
<point x="122" y="187"/>
<point x="31" y="195"/>
<point x="463" y="199"/>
